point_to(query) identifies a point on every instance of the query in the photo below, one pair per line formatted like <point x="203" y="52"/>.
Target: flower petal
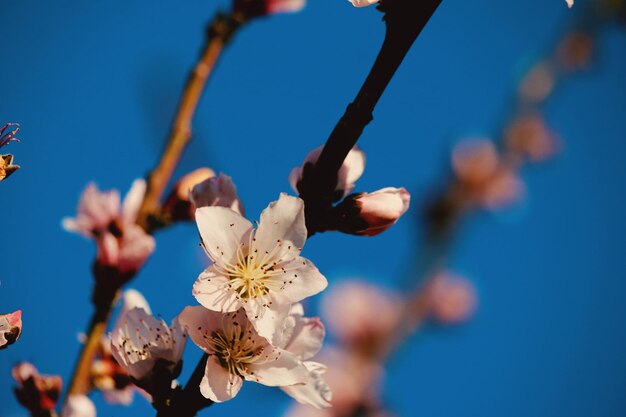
<point x="267" y="321"/>
<point x="282" y="230"/>
<point x="302" y="280"/>
<point x="212" y="291"/>
<point x="133" y="200"/>
<point x="285" y="370"/>
<point x="198" y="321"/>
<point x="218" y="384"/>
<point x="316" y="391"/>
<point x="307" y="337"/>
<point x="222" y="230"/>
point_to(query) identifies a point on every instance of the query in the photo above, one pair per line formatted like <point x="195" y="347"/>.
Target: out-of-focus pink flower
<point x="6" y="138"/>
<point x="237" y="352"/>
<point x="10" y="328"/>
<point x="37" y="393"/>
<point x="78" y="406"/>
<point x="528" y="137"/>
<point x="218" y="191"/>
<point x="484" y="179"/>
<point x="303" y="337"/>
<point x="363" y="3"/>
<point x="375" y="212"/>
<point x="350" y="171"/>
<point x="122" y="244"/>
<point x="538" y="83"/>
<point x="256" y="8"/>
<point x="452" y="299"/>
<point x="570" y="3"/>
<point x="361" y="315"/>
<point x="140" y="343"/>
<point x="354" y="382"/>
<point x="260" y="270"/>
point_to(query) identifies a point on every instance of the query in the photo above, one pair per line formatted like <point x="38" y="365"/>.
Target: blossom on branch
<point x="178" y="205"/>
<point x="37" y="393"/>
<point x="350" y="171"/>
<point x="122" y="245"/>
<point x="147" y="348"/>
<point x="78" y="405"/>
<point x="10" y="328"/>
<point x="237" y="352"/>
<point x="259" y="270"/>
<point x="451" y="298"/>
<point x="218" y="191"/>
<point x="363" y="3"/>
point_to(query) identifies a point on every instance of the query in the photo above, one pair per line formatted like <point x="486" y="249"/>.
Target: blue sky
<point x="95" y="86"/>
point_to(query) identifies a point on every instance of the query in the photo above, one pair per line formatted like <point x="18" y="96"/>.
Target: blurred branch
<point x="219" y="32"/>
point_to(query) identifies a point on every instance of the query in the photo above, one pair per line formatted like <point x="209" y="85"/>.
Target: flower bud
<point x="474" y="161"/>
<point x="350" y="171"/>
<point x="218" y="191"/>
<point x="369" y="214"/>
<point x="529" y="138"/>
<point x="10" y="328"/>
<point x="37" y="393"/>
<point x="178" y="205"/>
<point x="256" y="8"/>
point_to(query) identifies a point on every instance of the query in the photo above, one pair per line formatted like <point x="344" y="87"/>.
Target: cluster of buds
<point x="7" y="167"/>
<point x="365" y="214"/>
<point x="10" y="328"/>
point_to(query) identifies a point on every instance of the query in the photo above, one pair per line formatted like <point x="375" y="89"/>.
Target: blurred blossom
<point x="10" y="328"/>
<point x="259" y="270"/>
<point x="361" y="315"/>
<point x="570" y="3"/>
<point x="147" y="348"/>
<point x="78" y="406"/>
<point x="354" y="382"/>
<point x="475" y="161"/>
<point x="237" y="352"/>
<point x="528" y="137"/>
<point x="451" y="298"/>
<point x="538" y="83"/>
<point x="369" y="214"/>
<point x="303" y="337"/>
<point x="575" y="51"/>
<point x="217" y="192"/>
<point x="350" y="171"/>
<point x="484" y="179"/>
<point x="178" y="205"/>
<point x="122" y="245"/>
<point x="255" y="8"/>
<point x="37" y="393"/>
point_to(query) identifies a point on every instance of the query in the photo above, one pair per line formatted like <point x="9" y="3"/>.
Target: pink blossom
<point x="361" y="315"/>
<point x="237" y="353"/>
<point x="218" y="191"/>
<point x="178" y="205"/>
<point x="452" y="299"/>
<point x="260" y="270"/>
<point x="122" y="244"/>
<point x="10" y="328"/>
<point x="528" y="137"/>
<point x="37" y="393"/>
<point x="255" y="8"/>
<point x="363" y="3"/>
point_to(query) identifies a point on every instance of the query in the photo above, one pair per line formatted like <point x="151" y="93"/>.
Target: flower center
<point x="235" y="348"/>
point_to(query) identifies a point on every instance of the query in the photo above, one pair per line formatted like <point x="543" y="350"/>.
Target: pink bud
<point x="381" y="209"/>
<point x="216" y="192"/>
<point x="474" y="161"/>
<point x="452" y="298"/>
<point x="255" y="8"/>
<point x="178" y="205"/>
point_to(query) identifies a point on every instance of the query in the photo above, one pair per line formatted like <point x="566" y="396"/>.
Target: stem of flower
<point x="190" y="400"/>
<point x="404" y="19"/>
<point x="220" y="31"/>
